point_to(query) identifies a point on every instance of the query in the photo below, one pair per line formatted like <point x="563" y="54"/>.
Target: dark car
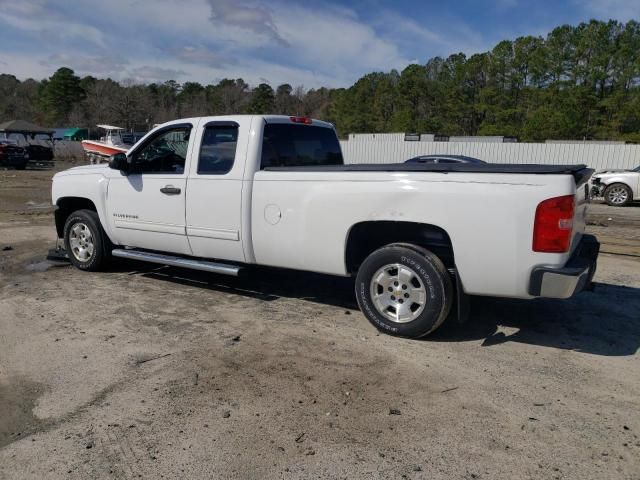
<point x="11" y="155"/>
<point x="132" y="138"/>
<point x="445" y="159"/>
<point x="39" y="152"/>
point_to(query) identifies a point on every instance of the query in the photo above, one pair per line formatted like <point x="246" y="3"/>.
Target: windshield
<point x="637" y="169"/>
<point x="287" y="145"/>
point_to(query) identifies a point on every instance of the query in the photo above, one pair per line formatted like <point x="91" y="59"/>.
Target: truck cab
<point x="186" y="187"/>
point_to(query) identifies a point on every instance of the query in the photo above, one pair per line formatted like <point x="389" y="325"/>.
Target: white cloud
<point x="256" y="18"/>
<point x="314" y="45"/>
<point x="428" y="40"/>
<point x="25" y="67"/>
<point x="107" y="65"/>
<point x="150" y="73"/>
<point x="170" y="19"/>
<point x="622" y="10"/>
<point x="201" y="55"/>
<point x="331" y="41"/>
<point x="323" y="40"/>
<point x="301" y="43"/>
<point x="37" y="17"/>
<point x="31" y="7"/>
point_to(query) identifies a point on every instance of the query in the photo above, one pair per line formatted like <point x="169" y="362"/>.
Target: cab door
<point x="147" y="205"/>
<point x="214" y="196"/>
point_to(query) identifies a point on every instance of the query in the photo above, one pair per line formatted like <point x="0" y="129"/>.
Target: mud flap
<point x="463" y="305"/>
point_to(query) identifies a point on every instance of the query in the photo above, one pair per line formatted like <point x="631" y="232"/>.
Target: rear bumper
<point x="574" y="277"/>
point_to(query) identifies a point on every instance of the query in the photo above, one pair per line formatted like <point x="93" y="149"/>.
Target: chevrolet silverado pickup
<point x="220" y="194"/>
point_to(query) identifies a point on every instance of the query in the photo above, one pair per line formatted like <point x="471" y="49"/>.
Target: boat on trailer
<point x="98" y="151"/>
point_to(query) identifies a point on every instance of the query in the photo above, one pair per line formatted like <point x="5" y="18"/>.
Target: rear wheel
<point x="87" y="246"/>
<point x="618" y="195"/>
<point x="404" y="290"/>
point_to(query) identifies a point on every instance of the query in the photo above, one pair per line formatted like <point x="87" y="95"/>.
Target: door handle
<point x="170" y="190"/>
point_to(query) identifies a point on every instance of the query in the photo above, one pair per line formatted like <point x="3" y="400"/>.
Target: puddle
<point x="17" y="399"/>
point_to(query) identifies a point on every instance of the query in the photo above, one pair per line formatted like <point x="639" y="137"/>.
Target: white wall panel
<point x="597" y="156"/>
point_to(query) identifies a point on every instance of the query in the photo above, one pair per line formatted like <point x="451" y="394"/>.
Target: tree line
<point x="577" y="82"/>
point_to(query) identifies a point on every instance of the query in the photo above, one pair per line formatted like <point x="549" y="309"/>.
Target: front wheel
<point x="404" y="290"/>
<point x="618" y="195"/>
<point x="87" y="245"/>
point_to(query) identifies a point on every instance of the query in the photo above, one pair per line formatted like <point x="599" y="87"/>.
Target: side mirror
<point x="119" y="162"/>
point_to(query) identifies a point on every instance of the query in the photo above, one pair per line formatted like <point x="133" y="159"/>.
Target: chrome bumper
<point x="574" y="277"/>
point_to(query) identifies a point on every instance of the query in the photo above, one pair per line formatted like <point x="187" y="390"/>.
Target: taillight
<point x="305" y="120"/>
<point x="553" y="225"/>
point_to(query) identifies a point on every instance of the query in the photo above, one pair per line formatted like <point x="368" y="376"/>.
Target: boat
<point x="114" y="141"/>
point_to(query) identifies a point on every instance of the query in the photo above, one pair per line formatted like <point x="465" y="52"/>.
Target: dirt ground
<point x="147" y="372"/>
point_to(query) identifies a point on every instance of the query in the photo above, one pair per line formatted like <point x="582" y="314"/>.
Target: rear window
<point x="286" y="145"/>
<point x="218" y="149"/>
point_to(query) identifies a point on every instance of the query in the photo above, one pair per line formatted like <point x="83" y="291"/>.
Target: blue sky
<point x="310" y="43"/>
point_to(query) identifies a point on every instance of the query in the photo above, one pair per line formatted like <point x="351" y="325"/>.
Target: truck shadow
<point x="603" y="322"/>
<point x="262" y="283"/>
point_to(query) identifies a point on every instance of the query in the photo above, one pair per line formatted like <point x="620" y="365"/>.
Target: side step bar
<point x="191" y="263"/>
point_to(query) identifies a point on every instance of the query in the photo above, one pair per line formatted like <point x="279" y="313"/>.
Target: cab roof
<point x="292" y="119"/>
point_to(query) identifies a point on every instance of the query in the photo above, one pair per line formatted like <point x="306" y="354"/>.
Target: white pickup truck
<point x="222" y="193"/>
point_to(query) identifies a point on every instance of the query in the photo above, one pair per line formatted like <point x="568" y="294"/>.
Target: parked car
<point x="12" y="155"/>
<point x="445" y="159"/>
<point x="132" y="138"/>
<point x="220" y="194"/>
<point x="39" y="153"/>
<point x="617" y="187"/>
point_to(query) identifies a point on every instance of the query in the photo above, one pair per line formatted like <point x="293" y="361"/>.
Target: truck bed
<point x="580" y="172"/>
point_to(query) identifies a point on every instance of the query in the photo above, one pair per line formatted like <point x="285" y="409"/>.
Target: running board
<point x="172" y="261"/>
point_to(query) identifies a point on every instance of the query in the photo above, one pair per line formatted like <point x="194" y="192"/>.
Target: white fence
<point x="597" y="156"/>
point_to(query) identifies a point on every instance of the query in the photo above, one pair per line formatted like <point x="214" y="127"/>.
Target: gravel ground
<point x="155" y="372"/>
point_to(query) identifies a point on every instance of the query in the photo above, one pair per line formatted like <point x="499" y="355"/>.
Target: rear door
<point x="214" y="192"/>
<point x="147" y="206"/>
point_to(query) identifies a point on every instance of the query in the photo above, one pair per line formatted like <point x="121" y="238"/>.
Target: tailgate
<point x="582" y="200"/>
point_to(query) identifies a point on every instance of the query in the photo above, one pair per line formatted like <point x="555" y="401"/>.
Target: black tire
<point x="617" y="187"/>
<point x="428" y="269"/>
<point x="102" y="247"/>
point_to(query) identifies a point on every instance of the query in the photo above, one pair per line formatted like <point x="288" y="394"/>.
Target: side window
<point x="165" y="153"/>
<point x="217" y="149"/>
